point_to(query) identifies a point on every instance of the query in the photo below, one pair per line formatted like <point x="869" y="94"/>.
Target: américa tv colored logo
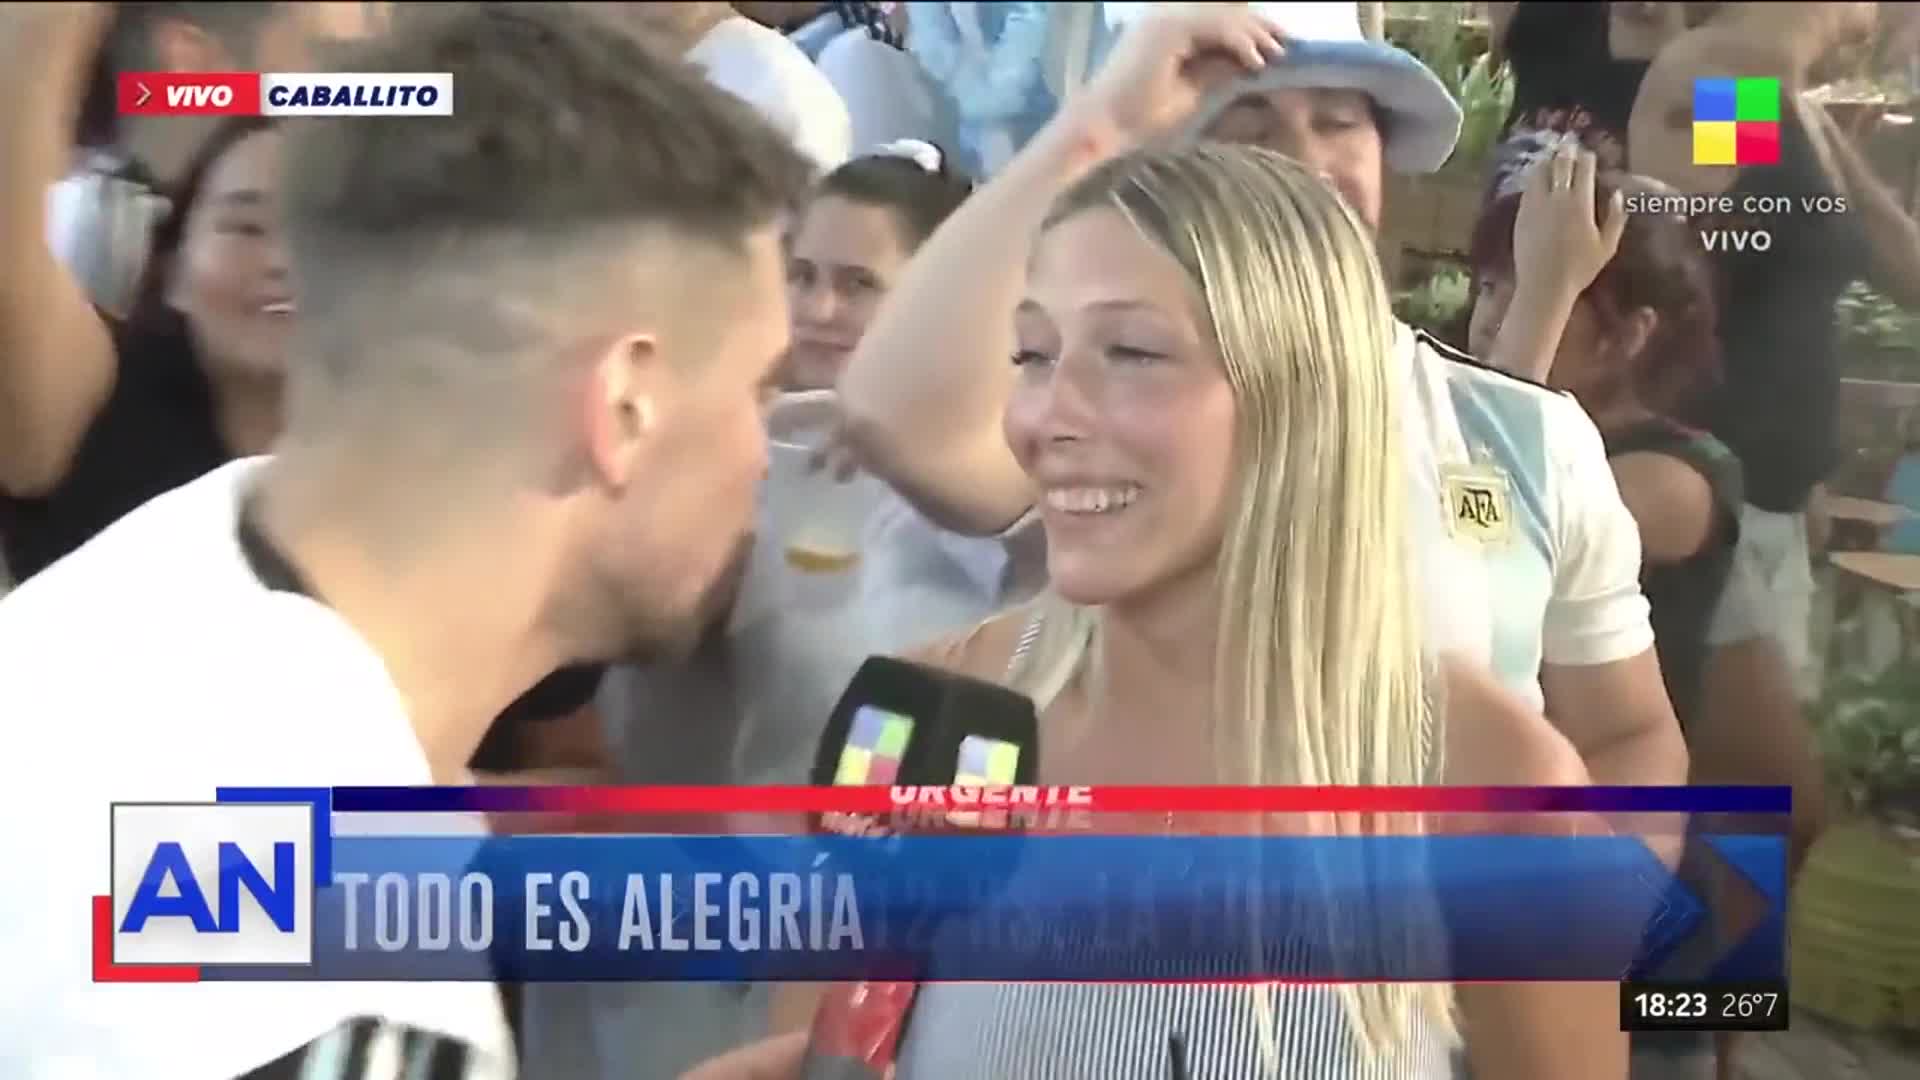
<point x="1736" y="121"/>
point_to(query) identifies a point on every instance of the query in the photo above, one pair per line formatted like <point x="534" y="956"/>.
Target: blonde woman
<point x="1208" y="417"/>
<point x="1206" y="399"/>
<point x="1209" y="420"/>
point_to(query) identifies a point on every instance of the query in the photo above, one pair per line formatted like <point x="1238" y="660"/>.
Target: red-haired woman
<point x="1631" y="333"/>
<point x="1636" y="342"/>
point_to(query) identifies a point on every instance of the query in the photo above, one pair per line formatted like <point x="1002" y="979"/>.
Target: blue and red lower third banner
<point x="280" y="885"/>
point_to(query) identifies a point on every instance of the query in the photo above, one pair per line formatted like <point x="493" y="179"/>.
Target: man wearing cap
<point x="1551" y="603"/>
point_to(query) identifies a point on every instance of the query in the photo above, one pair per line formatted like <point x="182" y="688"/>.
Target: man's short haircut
<point x="566" y="135"/>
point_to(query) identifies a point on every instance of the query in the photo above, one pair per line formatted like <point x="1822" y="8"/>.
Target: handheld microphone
<point x="905" y="723"/>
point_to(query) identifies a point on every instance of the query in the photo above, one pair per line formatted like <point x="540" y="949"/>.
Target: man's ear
<point x="180" y="45"/>
<point x="622" y="403"/>
<point x="1638" y="329"/>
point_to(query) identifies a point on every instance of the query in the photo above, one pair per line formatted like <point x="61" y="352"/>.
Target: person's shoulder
<point x="164" y="599"/>
<point x="189" y="530"/>
<point x="130" y="567"/>
<point x="269" y="683"/>
<point x="1546" y="426"/>
<point x="1661" y="486"/>
<point x="982" y="651"/>
<point x="1685" y="494"/>
<point x="1663" y="474"/>
<point x="1466" y="371"/>
<point x="1672" y="448"/>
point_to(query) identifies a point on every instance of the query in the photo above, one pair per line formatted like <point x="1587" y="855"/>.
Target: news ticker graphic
<point x="252" y="93"/>
<point x="562" y="799"/>
<point x="214" y="892"/>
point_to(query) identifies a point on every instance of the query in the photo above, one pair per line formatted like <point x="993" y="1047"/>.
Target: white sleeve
<point x="887" y="94"/>
<point x="776" y="78"/>
<point x="66" y="207"/>
<point x="1597" y="614"/>
<point x="100" y="228"/>
<point x="818" y="121"/>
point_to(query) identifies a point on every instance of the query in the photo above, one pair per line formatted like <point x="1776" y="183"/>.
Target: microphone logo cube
<point x="876" y="742"/>
<point x="987" y="762"/>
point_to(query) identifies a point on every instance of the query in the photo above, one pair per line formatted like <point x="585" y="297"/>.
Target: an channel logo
<point x="213" y="883"/>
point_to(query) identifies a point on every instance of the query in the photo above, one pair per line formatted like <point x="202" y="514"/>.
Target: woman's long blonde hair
<point x="1319" y="671"/>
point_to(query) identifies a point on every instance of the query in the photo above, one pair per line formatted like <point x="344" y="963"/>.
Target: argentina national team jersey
<point x="1526" y="553"/>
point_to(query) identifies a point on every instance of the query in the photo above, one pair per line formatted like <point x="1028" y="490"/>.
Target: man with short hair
<point x="100" y="217"/>
<point x="523" y="429"/>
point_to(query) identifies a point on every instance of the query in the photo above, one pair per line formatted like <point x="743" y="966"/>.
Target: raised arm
<point x="924" y="392"/>
<point x="1781" y="40"/>
<point x="1560" y="245"/>
<point x="1890" y="236"/>
<point x="56" y="356"/>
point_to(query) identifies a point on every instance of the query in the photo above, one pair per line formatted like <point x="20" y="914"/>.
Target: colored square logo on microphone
<point x="876" y="742"/>
<point x="1736" y="121"/>
<point x="985" y="762"/>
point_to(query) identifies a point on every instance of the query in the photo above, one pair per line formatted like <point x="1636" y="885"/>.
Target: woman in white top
<point x="1204" y="416"/>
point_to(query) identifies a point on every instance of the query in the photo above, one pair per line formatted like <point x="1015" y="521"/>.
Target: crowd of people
<point x="396" y="451"/>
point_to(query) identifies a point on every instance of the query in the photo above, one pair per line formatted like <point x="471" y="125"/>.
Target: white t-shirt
<point x="100" y="227"/>
<point x="888" y="95"/>
<point x="1552" y="574"/>
<point x="152" y="666"/>
<point x="802" y="638"/>
<point x="763" y="68"/>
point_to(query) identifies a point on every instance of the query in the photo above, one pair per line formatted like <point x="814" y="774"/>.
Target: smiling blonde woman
<point x="1206" y="402"/>
<point x="1208" y="406"/>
